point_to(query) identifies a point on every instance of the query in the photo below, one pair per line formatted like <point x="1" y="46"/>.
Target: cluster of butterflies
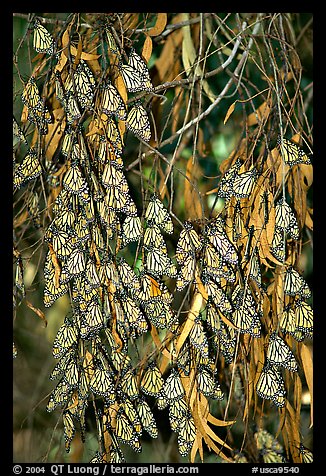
<point x="77" y="93"/>
<point x="114" y="303"/>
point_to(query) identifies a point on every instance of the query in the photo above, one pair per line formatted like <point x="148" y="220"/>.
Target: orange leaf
<point x="192" y="314"/>
<point x="261" y="114"/>
<point x="193" y="204"/>
<point x="159" y="25"/>
<point x="229" y="112"/>
<point x="147" y="48"/>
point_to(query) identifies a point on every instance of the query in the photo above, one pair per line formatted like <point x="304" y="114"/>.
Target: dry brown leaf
<point x="261" y="114"/>
<point x="193" y="204"/>
<point x="130" y="22"/>
<point x="167" y="65"/>
<point x="159" y="26"/>
<point x="192" y="314"/>
<point x="229" y="112"/>
<point x="308" y="221"/>
<point x="307" y="364"/>
<point x="147" y="48"/>
<point x="292" y="426"/>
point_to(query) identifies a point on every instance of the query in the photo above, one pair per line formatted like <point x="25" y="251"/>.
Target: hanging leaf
<point x="159" y="26"/>
<point x="193" y="203"/>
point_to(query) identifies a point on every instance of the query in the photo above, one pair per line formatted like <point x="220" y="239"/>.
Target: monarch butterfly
<point x="245" y="316"/>
<point x="129" y="384"/>
<point x="254" y="268"/>
<point x="102" y="384"/>
<point x="111" y="42"/>
<point x="222" y="244"/>
<point x="131" y="230"/>
<point x="158" y="264"/>
<point x="135" y="74"/>
<point x="137" y="62"/>
<point x="17" y="132"/>
<point x="303" y="320"/>
<point x="59" y="396"/>
<point x="188" y="242"/>
<point x="158" y="213"/>
<point x="82" y="83"/>
<point x="125" y="432"/>
<point x="271" y="456"/>
<point x="92" y="320"/>
<point x="212" y="317"/>
<point x="107" y="152"/>
<point x="14" y="351"/>
<point x="120" y="361"/>
<point x="112" y="102"/>
<point x="127" y="275"/>
<point x="286" y="219"/>
<point x="159" y="313"/>
<point x="31" y="96"/>
<point x="113" y="135"/>
<point x="153" y="238"/>
<point x="205" y="382"/>
<point x="307" y="455"/>
<point x="137" y="121"/>
<point x="287" y="320"/>
<point x="134" y="316"/>
<point x="294" y="284"/>
<point x="292" y="154"/>
<point x="198" y="338"/>
<point x="42" y="40"/>
<point x="278" y="246"/>
<point x="107" y="217"/>
<point x="120" y="202"/>
<point x="237" y="225"/>
<point x="29" y="169"/>
<point x="71" y="373"/>
<point x="278" y="353"/>
<point x="187" y="272"/>
<point x="80" y="230"/>
<point x="74" y="182"/>
<point x="177" y="410"/>
<point x="243" y="183"/>
<point x="172" y="388"/>
<point x="68" y="429"/>
<point x="51" y="291"/>
<point x="216" y="295"/>
<point x="59" y="368"/>
<point x="64" y="220"/>
<point x="270" y="386"/>
<point x="153" y="291"/>
<point x="225" y="188"/>
<point x="147" y="418"/>
<point x="186" y="435"/>
<point x="266" y="440"/>
<point x="61" y="243"/>
<point x="132" y="415"/>
<point x="162" y="401"/>
<point x="227" y="340"/>
<point x="152" y="381"/>
<point x="66" y="338"/>
<point x="132" y="78"/>
<point x="113" y="177"/>
<point x="76" y="262"/>
<point x="71" y="106"/>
